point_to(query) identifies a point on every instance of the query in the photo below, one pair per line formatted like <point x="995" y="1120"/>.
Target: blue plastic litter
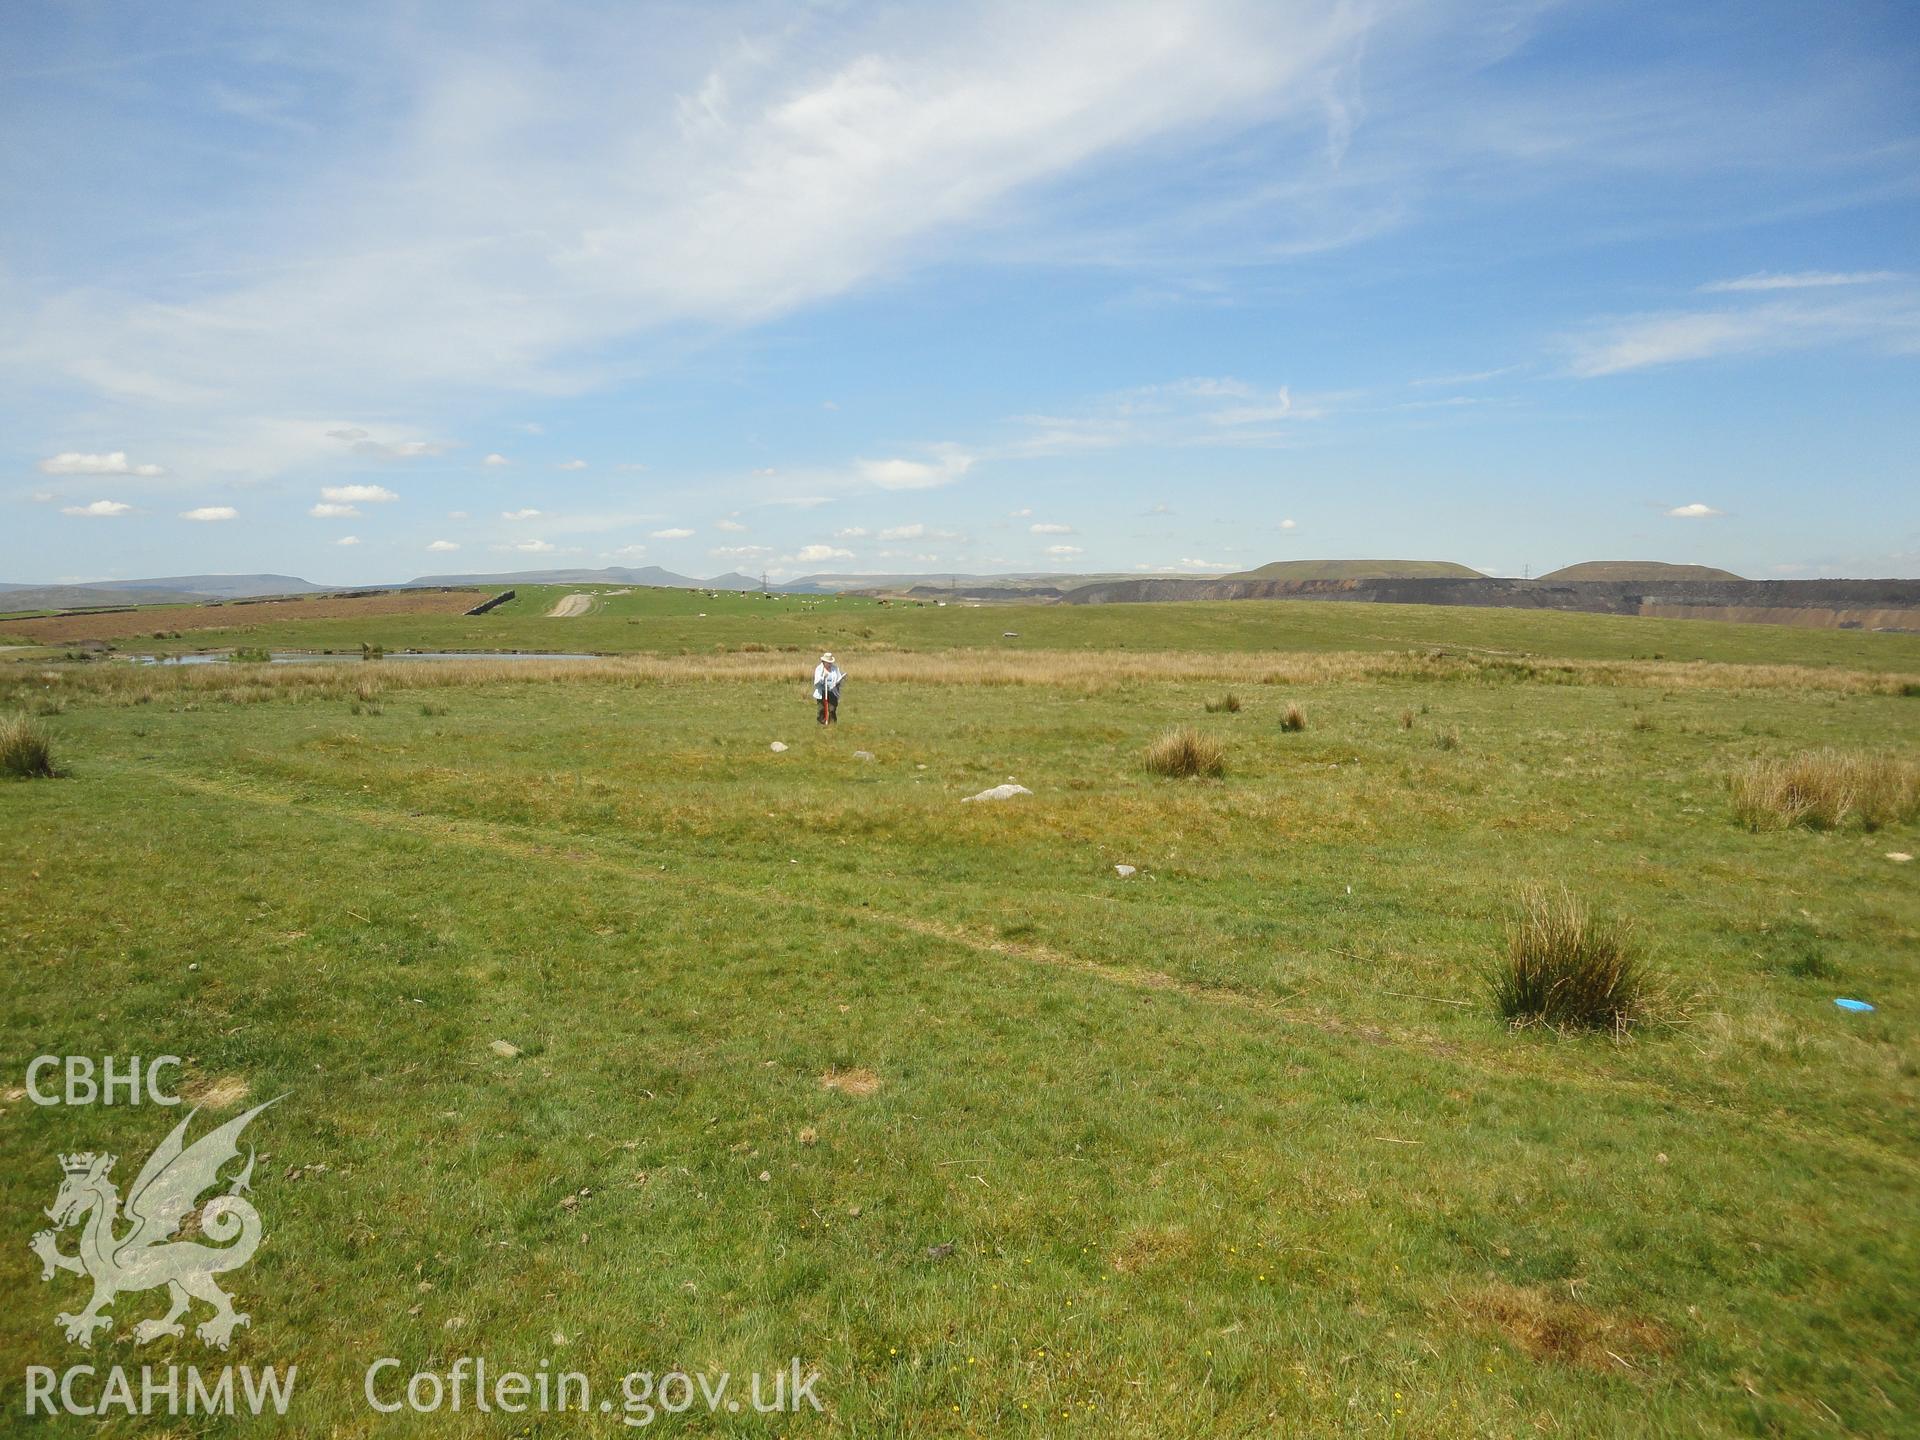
<point x="1846" y="1004"/>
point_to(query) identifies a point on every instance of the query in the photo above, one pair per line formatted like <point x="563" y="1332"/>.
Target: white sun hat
<point x="827" y="659"/>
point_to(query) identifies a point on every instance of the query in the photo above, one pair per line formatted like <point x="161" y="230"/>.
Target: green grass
<point x="657" y="621"/>
<point x="1235" y="1146"/>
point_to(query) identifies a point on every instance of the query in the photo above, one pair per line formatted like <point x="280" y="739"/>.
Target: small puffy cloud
<point x="903" y="532"/>
<point x="518" y="514"/>
<point x="1695" y="511"/>
<point x="572" y="465"/>
<point x="949" y="464"/>
<point x="355" y="494"/>
<point x="1206" y="564"/>
<point x="211" y="512"/>
<point x="75" y="462"/>
<point x="1288" y="525"/>
<point x="740" y="552"/>
<point x="443" y="547"/>
<point x="1803" y="280"/>
<point x="852" y="532"/>
<point x="1050" y="529"/>
<point x="1022" y="513"/>
<point x="496" y="459"/>
<point x="1061" y="552"/>
<point x="732" y="527"/>
<point x="675" y="534"/>
<point x="630" y="552"/>
<point x="98" y="509"/>
<point x="348" y="540"/>
<point x="1161" y="509"/>
<point x="327" y="511"/>
<point x="813" y="554"/>
<point x="766" y="470"/>
<point x="532" y="547"/>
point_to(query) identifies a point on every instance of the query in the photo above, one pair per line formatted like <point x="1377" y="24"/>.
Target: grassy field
<point x="1234" y="1146"/>
<point x="688" y="622"/>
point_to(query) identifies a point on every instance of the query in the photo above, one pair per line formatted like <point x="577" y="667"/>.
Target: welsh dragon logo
<point x="144" y="1255"/>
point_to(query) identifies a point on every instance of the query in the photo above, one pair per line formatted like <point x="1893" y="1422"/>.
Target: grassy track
<point x="1233" y="1147"/>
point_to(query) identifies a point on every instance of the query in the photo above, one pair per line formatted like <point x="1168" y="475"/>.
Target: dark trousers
<point x="830" y="708"/>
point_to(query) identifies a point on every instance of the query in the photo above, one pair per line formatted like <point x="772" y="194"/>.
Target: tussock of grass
<point x="1295" y="720"/>
<point x="1567" y="969"/>
<point x="1447" y="739"/>
<point x="1186" y="752"/>
<point x="1406" y="719"/>
<point x="1825" y="790"/>
<point x="1229" y="702"/>
<point x="26" y="750"/>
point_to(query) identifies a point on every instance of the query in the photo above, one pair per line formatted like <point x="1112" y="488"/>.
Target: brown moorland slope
<point x="106" y="625"/>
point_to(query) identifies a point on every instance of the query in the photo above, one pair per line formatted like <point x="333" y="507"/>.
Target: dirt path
<point x="570" y="607"/>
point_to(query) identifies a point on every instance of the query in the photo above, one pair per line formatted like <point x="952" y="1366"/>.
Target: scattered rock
<point x="863" y="754"/>
<point x="778" y="746"/>
<point x="1123" y="871"/>
<point x="1899" y="857"/>
<point x="1009" y="634"/>
<point x="505" y="1049"/>
<point x="998" y="792"/>
<point x="809" y="1136"/>
<point x="853" y="1212"/>
<point x="939" y="1252"/>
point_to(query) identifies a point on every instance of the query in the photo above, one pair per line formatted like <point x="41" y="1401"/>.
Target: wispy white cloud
<point x="444" y="547"/>
<point x="1800" y="280"/>
<point x="1208" y="565"/>
<point x="326" y="510"/>
<point x="211" y="512"/>
<point x="348" y="540"/>
<point x="364" y="442"/>
<point x="1050" y="528"/>
<point x="673" y="534"/>
<point x="1062" y="552"/>
<point x="731" y="527"/>
<point x="114" y="462"/>
<point x="571" y="465"/>
<point x="358" y="494"/>
<point x="98" y="509"/>
<point x="1695" y="511"/>
<point x="1891" y="322"/>
<point x="528" y="513"/>
<point x="496" y="459"/>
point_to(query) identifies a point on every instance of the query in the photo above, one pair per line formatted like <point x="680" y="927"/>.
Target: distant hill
<point x="1006" y="586"/>
<point x="1359" y="570"/>
<point x="76" y="597"/>
<point x="161" y="590"/>
<point x="612" y="575"/>
<point x="1632" y="570"/>
<point x="734" y="580"/>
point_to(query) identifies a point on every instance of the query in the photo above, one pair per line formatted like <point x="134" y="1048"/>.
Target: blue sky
<point x="366" y="292"/>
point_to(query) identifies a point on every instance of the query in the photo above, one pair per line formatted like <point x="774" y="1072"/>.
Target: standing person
<point x="827" y="676"/>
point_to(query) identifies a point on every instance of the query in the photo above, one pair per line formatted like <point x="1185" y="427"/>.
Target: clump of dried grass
<point x="1294" y="720"/>
<point x="26" y="750"/>
<point x="1186" y="753"/>
<point x="1229" y="702"/>
<point x="1825" y="790"/>
<point x="1567" y="969"/>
